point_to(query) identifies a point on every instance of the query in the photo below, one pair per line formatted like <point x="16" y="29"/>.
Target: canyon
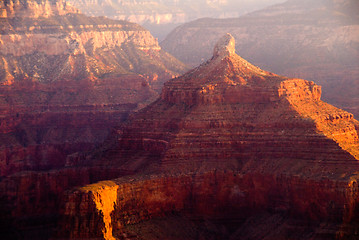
<point x="46" y="47"/>
<point x="65" y="81"/>
<point x="92" y="148"/>
<point x="161" y="16"/>
<point x="166" y="11"/>
<point x="317" y="41"/>
<point x="228" y="151"/>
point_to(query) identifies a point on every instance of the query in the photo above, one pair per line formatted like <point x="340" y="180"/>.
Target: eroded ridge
<point x="238" y="141"/>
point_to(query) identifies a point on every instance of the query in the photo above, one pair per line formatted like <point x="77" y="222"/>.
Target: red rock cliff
<point x="317" y="41"/>
<point x="35" y="8"/>
<point x="227" y="140"/>
<point x="65" y="81"/>
<point x="104" y="209"/>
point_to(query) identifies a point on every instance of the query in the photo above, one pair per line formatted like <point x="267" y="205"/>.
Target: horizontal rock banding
<point x="218" y="195"/>
<point x="226" y="140"/>
<point x="65" y="81"/>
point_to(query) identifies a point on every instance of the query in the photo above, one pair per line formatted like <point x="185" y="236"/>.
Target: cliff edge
<point x="227" y="142"/>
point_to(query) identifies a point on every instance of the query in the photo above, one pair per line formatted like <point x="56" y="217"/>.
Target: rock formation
<point x="226" y="146"/>
<point x="35" y="8"/>
<point x="74" y="46"/>
<point x="166" y="11"/>
<point x="65" y="80"/>
<point x="317" y="41"/>
<point x="162" y="16"/>
<point x="58" y="70"/>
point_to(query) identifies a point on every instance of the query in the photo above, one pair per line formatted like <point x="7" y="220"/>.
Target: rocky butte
<point x="228" y="151"/>
<point x="314" y="40"/>
<point x="65" y="80"/>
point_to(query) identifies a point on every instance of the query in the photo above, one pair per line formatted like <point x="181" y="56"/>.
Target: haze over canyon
<point x="229" y="144"/>
<point x="314" y="40"/>
<point x="66" y="80"/>
<point x="105" y="134"/>
<point x="161" y="16"/>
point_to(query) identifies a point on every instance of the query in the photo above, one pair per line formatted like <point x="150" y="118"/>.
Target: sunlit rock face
<point x="35" y="8"/>
<point x="72" y="46"/>
<point x="226" y="146"/>
<point x="65" y="80"/>
<point x="317" y="41"/>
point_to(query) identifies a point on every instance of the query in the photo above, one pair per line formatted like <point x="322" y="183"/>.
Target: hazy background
<point x="313" y="39"/>
<point x="162" y="16"/>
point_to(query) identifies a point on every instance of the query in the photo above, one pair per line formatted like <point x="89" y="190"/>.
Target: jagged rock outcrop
<point x="35" y="8"/>
<point x="112" y="209"/>
<point x="65" y="80"/>
<point x="317" y="41"/>
<point x="231" y="142"/>
<point x="58" y="70"/>
<point x="74" y="46"/>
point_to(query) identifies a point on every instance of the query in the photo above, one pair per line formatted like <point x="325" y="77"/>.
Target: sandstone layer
<point x="35" y="8"/>
<point x="228" y="142"/>
<point x="65" y="80"/>
<point x="77" y="47"/>
<point x="317" y="41"/>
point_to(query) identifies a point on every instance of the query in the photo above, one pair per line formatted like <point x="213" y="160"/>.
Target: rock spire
<point x="226" y="141"/>
<point x="225" y="46"/>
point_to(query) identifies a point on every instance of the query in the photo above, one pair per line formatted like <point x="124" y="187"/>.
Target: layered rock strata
<point x="228" y="140"/>
<point x="166" y="11"/>
<point x="76" y="47"/>
<point x="35" y="8"/>
<point x="317" y="41"/>
<point x="104" y="210"/>
<point x="65" y="80"/>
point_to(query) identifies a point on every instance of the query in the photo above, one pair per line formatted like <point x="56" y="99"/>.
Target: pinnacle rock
<point x="225" y="46"/>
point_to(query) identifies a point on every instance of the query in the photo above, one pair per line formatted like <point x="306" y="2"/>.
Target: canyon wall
<point x="162" y="16"/>
<point x="78" y="47"/>
<point x="65" y="81"/>
<point x="103" y="210"/>
<point x="35" y="9"/>
<point x="317" y="41"/>
<point x="167" y="11"/>
<point x="229" y="142"/>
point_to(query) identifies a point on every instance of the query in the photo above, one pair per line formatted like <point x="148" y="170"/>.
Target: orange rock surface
<point x="317" y="41"/>
<point x="65" y="81"/>
<point x="35" y="9"/>
<point x="228" y="140"/>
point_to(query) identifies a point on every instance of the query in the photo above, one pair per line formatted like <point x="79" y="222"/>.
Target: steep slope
<point x="229" y="143"/>
<point x="316" y="40"/>
<point x="35" y="8"/>
<point x="57" y="70"/>
<point x="65" y="80"/>
<point x="78" y="47"/>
